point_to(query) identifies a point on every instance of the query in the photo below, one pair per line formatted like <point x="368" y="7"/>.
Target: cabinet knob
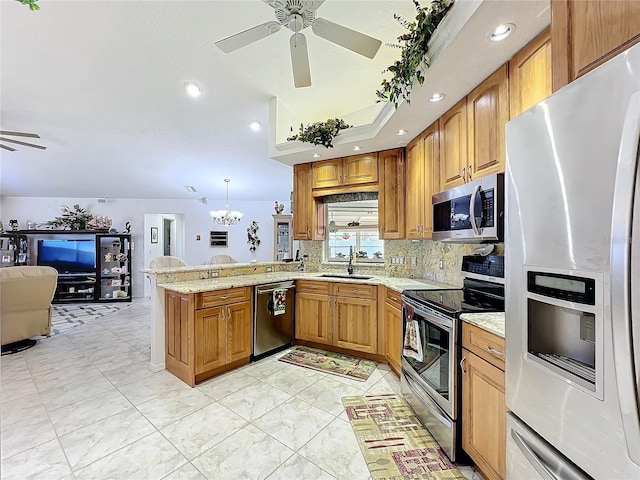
<point x="469" y="173"/>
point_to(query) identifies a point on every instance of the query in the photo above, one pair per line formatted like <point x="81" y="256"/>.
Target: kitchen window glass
<point x="355" y="225"/>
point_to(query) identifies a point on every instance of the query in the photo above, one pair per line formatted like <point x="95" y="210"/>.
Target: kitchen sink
<point x="339" y="275"/>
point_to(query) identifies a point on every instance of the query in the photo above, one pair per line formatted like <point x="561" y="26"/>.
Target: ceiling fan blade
<point x="300" y="60"/>
<point x="19" y="134"/>
<point x="23" y="143"/>
<point x="7" y="148"/>
<point x="242" y="39"/>
<point x="345" y="37"/>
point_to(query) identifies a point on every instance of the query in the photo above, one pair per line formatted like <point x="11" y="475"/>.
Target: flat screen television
<point x="68" y="256"/>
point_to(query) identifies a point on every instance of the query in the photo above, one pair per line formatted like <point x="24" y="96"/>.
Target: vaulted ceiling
<point x="102" y="83"/>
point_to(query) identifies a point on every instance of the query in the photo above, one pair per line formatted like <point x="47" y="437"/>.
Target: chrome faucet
<point x="350" y="266"/>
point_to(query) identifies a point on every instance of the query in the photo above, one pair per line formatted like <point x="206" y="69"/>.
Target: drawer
<point x="393" y="298"/>
<point x="222" y="297"/>
<point x="311" y="286"/>
<point x="486" y="345"/>
<point x="355" y="290"/>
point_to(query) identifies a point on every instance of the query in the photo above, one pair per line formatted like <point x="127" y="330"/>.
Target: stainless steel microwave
<point x="470" y="213"/>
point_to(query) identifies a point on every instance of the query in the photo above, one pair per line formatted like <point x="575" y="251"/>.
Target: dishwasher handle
<point x="284" y="287"/>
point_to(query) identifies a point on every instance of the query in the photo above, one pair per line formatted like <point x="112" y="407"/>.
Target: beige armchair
<point x="166" y="262"/>
<point x="222" y="258"/>
<point x="25" y="302"/>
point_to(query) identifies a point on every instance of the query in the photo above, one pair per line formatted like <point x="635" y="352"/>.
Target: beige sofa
<point x="25" y="302"/>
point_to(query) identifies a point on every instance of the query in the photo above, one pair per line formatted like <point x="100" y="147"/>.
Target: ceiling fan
<point x="297" y="15"/>
<point x="18" y="142"/>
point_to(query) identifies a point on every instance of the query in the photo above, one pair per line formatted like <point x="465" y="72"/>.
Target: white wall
<point x="196" y="222"/>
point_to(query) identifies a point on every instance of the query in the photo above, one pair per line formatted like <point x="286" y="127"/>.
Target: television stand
<point x="75" y="287"/>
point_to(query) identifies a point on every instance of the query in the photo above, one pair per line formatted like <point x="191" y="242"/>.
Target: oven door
<point x="435" y="371"/>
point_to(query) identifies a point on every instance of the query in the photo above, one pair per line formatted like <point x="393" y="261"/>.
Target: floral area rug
<point x="68" y="316"/>
<point x="394" y="443"/>
<point x="330" y="362"/>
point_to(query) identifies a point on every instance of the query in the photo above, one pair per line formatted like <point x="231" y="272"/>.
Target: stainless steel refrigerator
<point x="573" y="279"/>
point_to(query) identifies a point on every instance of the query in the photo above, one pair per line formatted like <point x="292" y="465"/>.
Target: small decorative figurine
<point x="127" y="227"/>
<point x="14" y="224"/>
<point x="279" y="207"/>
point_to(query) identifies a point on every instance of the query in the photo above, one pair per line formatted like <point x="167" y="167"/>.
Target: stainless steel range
<point x="430" y="370"/>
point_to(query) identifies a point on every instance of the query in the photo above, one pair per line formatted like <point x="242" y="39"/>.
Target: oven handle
<point x="472" y="210"/>
<point x="430" y="316"/>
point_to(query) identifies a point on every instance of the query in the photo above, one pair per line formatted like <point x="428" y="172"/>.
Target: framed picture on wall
<point x="154" y="234"/>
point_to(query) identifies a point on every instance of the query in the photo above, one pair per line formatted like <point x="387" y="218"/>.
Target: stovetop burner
<point x="483" y="289"/>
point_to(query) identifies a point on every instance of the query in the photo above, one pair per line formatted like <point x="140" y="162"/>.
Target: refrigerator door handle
<point x="625" y="235"/>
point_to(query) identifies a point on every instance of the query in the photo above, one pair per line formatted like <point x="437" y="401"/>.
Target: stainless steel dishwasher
<point x="273" y="317"/>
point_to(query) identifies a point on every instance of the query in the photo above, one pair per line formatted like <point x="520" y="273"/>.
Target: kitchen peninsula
<point x="237" y="281"/>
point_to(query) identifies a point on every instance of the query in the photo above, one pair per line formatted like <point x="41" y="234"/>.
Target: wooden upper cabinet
<point x="339" y="172"/>
<point x="414" y="198"/>
<point x="359" y="169"/>
<point x="391" y="194"/>
<point x="530" y="75"/>
<point x="453" y="146"/>
<point x="309" y="213"/>
<point x="587" y="33"/>
<point x="487" y="113"/>
<point x="327" y="173"/>
<point x="430" y="175"/>
<point x="302" y="201"/>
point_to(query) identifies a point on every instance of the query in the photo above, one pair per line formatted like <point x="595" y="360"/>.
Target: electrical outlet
<point x="215" y="274"/>
<point x="401" y="260"/>
<point x="414" y="261"/>
<point x="441" y="264"/>
<point x="269" y="269"/>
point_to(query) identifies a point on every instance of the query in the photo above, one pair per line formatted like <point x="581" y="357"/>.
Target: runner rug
<point x="68" y="316"/>
<point x="394" y="443"/>
<point x="330" y="362"/>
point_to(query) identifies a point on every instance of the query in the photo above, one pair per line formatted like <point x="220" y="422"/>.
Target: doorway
<point x="169" y="241"/>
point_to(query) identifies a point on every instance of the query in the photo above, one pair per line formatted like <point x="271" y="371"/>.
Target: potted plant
<point x="320" y="133"/>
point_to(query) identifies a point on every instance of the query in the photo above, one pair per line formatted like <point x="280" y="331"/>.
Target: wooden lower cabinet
<point x="483" y="414"/>
<point x="393" y="336"/>
<point x="313" y="317"/>
<point x="343" y="315"/>
<point x="201" y="343"/>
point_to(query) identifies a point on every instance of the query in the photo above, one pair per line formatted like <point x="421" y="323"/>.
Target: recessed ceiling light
<point x="502" y="31"/>
<point x="190" y="188"/>
<point x="316" y="155"/>
<point x="193" y="89"/>
<point x="436" y="97"/>
<point x="255" y="126"/>
<point x="401" y="132"/>
<point x="357" y="148"/>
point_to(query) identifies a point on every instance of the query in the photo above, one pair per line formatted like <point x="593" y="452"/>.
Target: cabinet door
<point x="391" y="195"/>
<point x="327" y="173"/>
<point x="487" y="114"/>
<point x="530" y="75"/>
<point x="414" y="198"/>
<point x="302" y="202"/>
<point x="359" y="169"/>
<point x="210" y="339"/>
<point x="239" y="331"/>
<point x="587" y="33"/>
<point x="431" y="175"/>
<point x="313" y="318"/>
<point x="484" y="415"/>
<point x="179" y="318"/>
<point x="393" y="335"/>
<point x="453" y="146"/>
<point x="355" y="324"/>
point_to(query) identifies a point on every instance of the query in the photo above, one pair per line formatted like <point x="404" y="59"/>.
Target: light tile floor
<point x="84" y="405"/>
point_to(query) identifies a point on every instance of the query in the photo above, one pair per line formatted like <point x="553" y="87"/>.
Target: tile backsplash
<point x="415" y="258"/>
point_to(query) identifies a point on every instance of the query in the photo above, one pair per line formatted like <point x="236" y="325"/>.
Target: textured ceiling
<point x="102" y="83"/>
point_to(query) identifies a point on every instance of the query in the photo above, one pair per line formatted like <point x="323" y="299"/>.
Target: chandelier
<point x="226" y="217"/>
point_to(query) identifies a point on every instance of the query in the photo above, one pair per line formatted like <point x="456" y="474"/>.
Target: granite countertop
<point x="396" y="283"/>
<point x="491" y="322"/>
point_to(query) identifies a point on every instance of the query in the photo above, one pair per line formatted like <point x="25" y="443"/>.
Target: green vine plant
<point x="33" y="5"/>
<point x="412" y="64"/>
<point x="320" y="133"/>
